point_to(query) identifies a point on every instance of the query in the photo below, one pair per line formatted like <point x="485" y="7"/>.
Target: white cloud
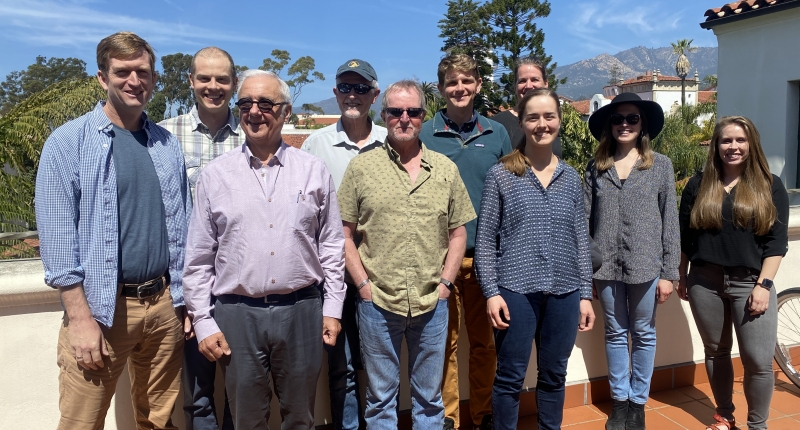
<point x="48" y="23"/>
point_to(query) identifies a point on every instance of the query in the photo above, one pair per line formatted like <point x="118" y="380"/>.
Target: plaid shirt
<point x="199" y="146"/>
<point x="76" y="208"/>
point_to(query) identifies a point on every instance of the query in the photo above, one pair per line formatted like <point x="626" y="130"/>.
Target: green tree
<point x="298" y="75"/>
<point x="434" y="102"/>
<point x="312" y="109"/>
<point x="466" y="31"/>
<point x="514" y="34"/>
<point x="175" y="82"/>
<point x="680" y="48"/>
<point x="577" y="143"/>
<point x="23" y="131"/>
<point x="21" y="84"/>
<point x="681" y="136"/>
<point x="157" y="107"/>
<point x="711" y="81"/>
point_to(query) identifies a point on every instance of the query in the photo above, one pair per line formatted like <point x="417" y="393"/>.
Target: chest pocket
<point x="303" y="212"/>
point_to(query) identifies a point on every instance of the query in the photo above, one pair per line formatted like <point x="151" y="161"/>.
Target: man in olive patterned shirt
<point x="410" y="205"/>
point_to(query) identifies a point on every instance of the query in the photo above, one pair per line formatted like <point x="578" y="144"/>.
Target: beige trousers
<point x="147" y="335"/>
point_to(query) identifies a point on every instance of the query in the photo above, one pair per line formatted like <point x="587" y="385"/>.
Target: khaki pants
<point x="482" y="356"/>
<point x="149" y="333"/>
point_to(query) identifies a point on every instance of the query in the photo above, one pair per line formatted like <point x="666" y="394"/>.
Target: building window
<point x="596" y="106"/>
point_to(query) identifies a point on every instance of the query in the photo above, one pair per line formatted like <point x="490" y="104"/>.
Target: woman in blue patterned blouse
<point x="633" y="218"/>
<point x="537" y="276"/>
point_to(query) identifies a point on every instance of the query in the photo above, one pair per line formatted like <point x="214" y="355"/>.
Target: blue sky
<point x="399" y="38"/>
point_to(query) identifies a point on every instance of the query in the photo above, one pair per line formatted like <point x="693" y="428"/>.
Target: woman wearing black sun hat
<point x="630" y="201"/>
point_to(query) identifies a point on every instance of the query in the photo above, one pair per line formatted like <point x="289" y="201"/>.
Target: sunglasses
<point x="398" y="112"/>
<point x="359" y="88"/>
<point x="264" y="105"/>
<point x="631" y="119"/>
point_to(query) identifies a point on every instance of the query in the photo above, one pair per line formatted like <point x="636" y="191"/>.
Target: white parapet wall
<point x="30" y="316"/>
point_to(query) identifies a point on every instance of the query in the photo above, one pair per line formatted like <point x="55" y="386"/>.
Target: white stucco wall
<point x="759" y="70"/>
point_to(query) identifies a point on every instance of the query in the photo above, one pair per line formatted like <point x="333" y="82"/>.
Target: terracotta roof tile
<point x="739" y="7"/>
<point x="649" y="78"/>
<point x="295" y="140"/>
<point x="706" y="96"/>
<point x="582" y="106"/>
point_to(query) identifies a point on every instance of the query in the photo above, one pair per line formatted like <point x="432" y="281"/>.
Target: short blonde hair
<point x="458" y="62"/>
<point x="122" y="45"/>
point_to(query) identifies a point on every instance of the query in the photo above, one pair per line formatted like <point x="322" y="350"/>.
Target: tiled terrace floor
<point x="689" y="408"/>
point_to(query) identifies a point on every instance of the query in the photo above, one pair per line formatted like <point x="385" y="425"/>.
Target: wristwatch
<point x="766" y="284"/>
<point x="447" y="284"/>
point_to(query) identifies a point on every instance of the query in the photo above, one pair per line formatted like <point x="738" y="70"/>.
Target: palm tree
<point x="681" y="136"/>
<point x="433" y="100"/>
<point x="23" y="131"/>
<point x="682" y="65"/>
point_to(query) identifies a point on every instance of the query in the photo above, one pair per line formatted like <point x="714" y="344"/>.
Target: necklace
<point x="730" y="186"/>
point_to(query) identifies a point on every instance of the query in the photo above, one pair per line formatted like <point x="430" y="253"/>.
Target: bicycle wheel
<point x="787" y="351"/>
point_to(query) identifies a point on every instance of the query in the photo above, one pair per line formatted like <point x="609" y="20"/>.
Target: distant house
<point x="759" y="75"/>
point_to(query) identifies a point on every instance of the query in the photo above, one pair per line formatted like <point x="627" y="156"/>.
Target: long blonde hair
<point x="752" y="205"/>
<point x="516" y="162"/>
<point x="604" y="155"/>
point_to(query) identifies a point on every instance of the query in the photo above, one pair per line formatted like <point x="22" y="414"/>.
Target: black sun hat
<point x="651" y="110"/>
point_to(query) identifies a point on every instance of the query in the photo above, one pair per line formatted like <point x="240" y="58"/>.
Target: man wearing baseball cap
<point x="356" y="90"/>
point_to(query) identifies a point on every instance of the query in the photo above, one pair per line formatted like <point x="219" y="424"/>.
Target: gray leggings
<point x="718" y="298"/>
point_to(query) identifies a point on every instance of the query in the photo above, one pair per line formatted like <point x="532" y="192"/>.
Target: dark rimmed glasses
<point x="345" y="88"/>
<point x="398" y="112"/>
<point x="264" y="105"/>
<point x="631" y="119"/>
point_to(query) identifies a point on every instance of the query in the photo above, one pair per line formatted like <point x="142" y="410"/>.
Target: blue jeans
<point x="382" y="333"/>
<point x="552" y="322"/>
<point x="629" y="308"/>
<point x="344" y="360"/>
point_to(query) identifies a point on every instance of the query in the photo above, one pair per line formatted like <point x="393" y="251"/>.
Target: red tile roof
<point x="740" y="7"/>
<point x="649" y="78"/>
<point x="295" y="140"/>
<point x="582" y="106"/>
<point x="706" y="96"/>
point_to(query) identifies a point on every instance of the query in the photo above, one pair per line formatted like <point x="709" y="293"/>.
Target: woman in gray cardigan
<point x="633" y="218"/>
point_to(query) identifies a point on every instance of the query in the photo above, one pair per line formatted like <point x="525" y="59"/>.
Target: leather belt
<point x="145" y="289"/>
<point x="272" y="299"/>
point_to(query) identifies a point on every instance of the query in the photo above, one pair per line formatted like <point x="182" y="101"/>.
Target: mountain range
<point x="588" y="77"/>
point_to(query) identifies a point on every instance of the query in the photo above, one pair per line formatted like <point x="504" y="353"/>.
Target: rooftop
<point x="745" y="9"/>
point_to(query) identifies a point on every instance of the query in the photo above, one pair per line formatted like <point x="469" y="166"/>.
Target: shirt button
<point x="270" y="226"/>
<point x="273" y="281"/>
<point x="269" y="200"/>
<point x="272" y="253"/>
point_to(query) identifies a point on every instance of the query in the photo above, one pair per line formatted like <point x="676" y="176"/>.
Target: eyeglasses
<point x="360" y="88"/>
<point x="264" y="105"/>
<point x="398" y="112"/>
<point x="631" y="119"/>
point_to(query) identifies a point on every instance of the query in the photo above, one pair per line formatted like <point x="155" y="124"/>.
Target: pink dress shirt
<point x="263" y="229"/>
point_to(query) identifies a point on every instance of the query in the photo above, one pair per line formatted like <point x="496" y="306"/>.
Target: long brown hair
<point x="604" y="155"/>
<point x="753" y="200"/>
<point x="516" y="162"/>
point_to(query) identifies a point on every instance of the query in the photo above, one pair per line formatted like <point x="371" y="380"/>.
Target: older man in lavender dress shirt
<point x="266" y="239"/>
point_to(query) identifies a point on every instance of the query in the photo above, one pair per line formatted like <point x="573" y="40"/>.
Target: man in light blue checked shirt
<point x="206" y="132"/>
<point x="112" y="208"/>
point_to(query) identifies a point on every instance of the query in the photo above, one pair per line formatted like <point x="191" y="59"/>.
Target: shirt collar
<point x="395" y="156"/>
<point x="278" y="158"/>
<point x="101" y="122"/>
<point x="231" y="124"/>
<point x="465" y="128"/>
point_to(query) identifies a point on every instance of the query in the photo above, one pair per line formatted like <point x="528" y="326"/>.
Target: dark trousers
<point x="197" y="379"/>
<point x="276" y="344"/>
<point x="552" y="321"/>
<point x="344" y="362"/>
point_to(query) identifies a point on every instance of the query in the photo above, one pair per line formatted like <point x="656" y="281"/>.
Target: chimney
<point x="655" y="75"/>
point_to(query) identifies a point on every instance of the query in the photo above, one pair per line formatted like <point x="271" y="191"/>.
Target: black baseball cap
<point x="358" y="66"/>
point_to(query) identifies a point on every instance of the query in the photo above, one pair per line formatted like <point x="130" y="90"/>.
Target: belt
<point x="145" y="289"/>
<point x="272" y="299"/>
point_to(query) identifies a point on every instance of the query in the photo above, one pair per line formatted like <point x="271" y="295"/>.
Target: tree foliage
<point x="298" y="75"/>
<point x="174" y="82"/>
<point x="434" y="102"/>
<point x="514" y="35"/>
<point x="577" y="143"/>
<point x="466" y="31"/>
<point x="681" y="136"/>
<point x="23" y="131"/>
<point x="21" y="84"/>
